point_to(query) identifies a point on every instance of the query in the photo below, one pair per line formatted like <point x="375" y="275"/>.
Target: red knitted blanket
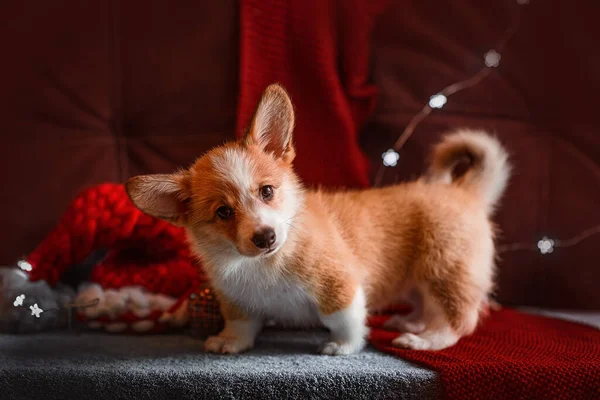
<point x="512" y="356"/>
<point x="319" y="50"/>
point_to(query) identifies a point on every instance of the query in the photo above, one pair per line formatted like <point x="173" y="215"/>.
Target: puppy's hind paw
<point x="428" y="340"/>
<point x="412" y="342"/>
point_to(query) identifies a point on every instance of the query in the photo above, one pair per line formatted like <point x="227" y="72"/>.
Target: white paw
<point x="402" y="324"/>
<point x="226" y="345"/>
<point x="411" y="341"/>
<point x="429" y="340"/>
<point x="341" y="349"/>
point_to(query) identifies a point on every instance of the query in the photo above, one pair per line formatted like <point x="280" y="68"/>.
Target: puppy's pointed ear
<point x="272" y="125"/>
<point x="164" y="196"/>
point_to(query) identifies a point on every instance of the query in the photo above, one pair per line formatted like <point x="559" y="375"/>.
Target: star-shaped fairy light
<point x="545" y="245"/>
<point x="390" y="158"/>
<point x="19" y="300"/>
<point x="35" y="310"/>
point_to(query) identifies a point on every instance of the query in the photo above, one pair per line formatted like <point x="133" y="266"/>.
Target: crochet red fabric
<point x="143" y="250"/>
<point x="319" y="50"/>
<point x="513" y="356"/>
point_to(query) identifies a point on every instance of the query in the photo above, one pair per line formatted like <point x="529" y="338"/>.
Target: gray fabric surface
<point x="283" y="365"/>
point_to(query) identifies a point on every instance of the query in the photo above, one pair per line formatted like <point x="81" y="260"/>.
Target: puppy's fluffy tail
<point x="487" y="171"/>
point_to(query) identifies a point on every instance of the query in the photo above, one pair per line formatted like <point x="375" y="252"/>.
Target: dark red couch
<point x="101" y="91"/>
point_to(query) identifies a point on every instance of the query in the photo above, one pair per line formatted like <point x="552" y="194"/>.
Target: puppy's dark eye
<point x="224" y="212"/>
<point x="267" y="192"/>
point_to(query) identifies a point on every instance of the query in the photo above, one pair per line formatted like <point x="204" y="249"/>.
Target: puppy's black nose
<point x="264" y="238"/>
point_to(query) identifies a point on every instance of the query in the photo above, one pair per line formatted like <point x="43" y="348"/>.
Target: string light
<point x="491" y="61"/>
<point x="35" y="310"/>
<point x="19" y="300"/>
<point x="437" y="100"/>
<point x="390" y="158"/>
<point x="546" y="245"/>
<point x="24" y="265"/>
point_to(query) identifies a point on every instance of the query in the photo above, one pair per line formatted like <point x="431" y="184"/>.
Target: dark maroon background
<point x="106" y="90"/>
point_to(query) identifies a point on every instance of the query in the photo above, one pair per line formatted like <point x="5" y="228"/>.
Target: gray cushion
<point x="283" y="365"/>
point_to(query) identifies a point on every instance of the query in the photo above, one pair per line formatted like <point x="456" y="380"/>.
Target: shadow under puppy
<point x="275" y="250"/>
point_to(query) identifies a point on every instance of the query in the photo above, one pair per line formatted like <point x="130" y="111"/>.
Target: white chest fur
<point x="258" y="289"/>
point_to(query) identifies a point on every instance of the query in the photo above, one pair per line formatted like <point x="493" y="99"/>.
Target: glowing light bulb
<point x="19" y="300"/>
<point x="35" y="310"/>
<point x="390" y="158"/>
<point x="492" y="59"/>
<point x="24" y="265"/>
<point x="437" y="101"/>
<point x="545" y="245"/>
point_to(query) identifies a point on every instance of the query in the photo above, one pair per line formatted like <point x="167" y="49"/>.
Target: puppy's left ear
<point x="272" y="125"/>
<point x="164" y="196"/>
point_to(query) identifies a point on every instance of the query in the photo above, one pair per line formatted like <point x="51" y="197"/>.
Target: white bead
<point x="492" y="59"/>
<point x="390" y="158"/>
<point x="545" y="245"/>
<point x="437" y="101"/>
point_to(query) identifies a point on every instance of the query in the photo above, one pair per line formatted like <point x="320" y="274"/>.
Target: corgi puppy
<point x="274" y="250"/>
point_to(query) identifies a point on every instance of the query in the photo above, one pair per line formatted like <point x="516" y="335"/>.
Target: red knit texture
<point x="143" y="250"/>
<point x="512" y="356"/>
<point x="319" y="51"/>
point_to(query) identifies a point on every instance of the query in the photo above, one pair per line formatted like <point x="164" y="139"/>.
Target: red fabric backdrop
<point x="320" y="51"/>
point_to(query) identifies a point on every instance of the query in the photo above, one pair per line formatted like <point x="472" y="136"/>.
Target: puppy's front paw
<point x="226" y="345"/>
<point x="341" y="348"/>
